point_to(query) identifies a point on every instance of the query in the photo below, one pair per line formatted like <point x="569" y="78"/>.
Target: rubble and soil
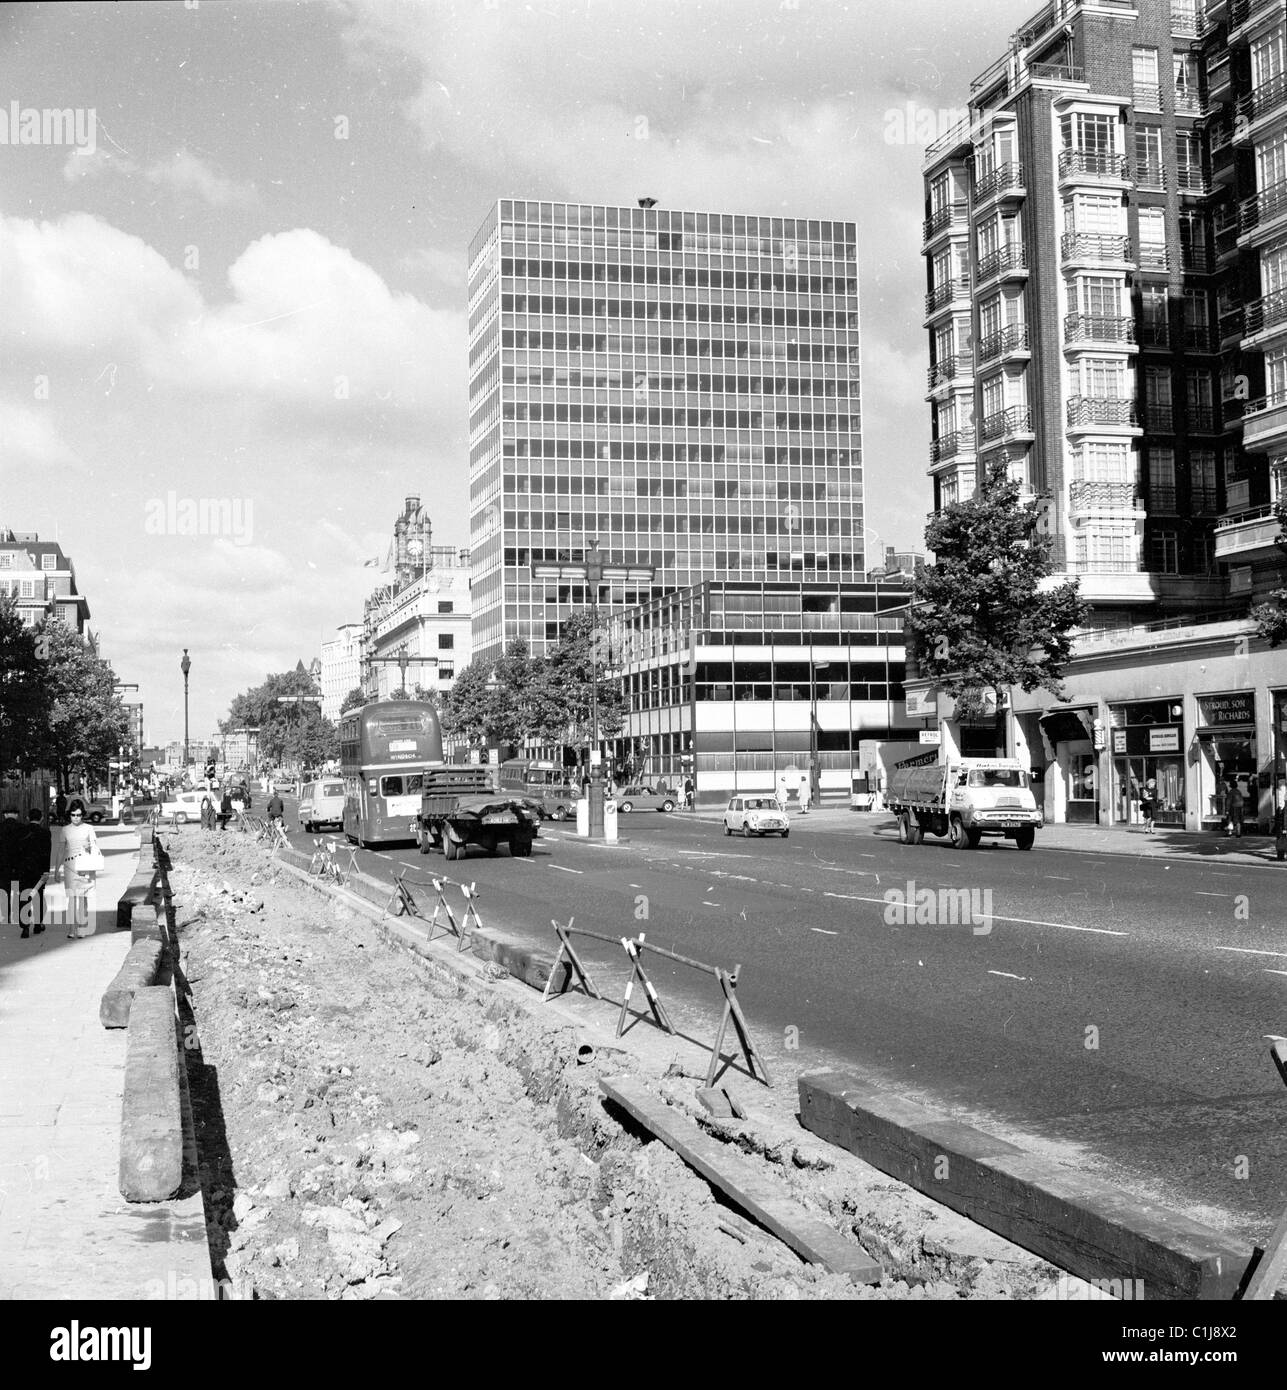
<point x="374" y="1124"/>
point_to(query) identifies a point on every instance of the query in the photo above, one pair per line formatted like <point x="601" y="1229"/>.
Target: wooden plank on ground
<point x="740" y="1180"/>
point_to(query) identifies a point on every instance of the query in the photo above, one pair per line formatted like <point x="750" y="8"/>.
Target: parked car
<point x="186" y="806"/>
<point x="640" y="797"/>
<point x="283" y="786"/>
<point x="96" y="812"/>
<point x="755" y="815"/>
<point x="321" y="803"/>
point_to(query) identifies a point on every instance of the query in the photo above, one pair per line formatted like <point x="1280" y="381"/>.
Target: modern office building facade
<point x="680" y="386"/>
<point x="1070" y="305"/>
<point x="736" y="682"/>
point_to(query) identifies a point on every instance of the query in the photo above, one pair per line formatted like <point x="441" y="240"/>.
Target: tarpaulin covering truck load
<point x="965" y="799"/>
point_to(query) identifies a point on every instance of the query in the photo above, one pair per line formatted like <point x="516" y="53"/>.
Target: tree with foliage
<point x="490" y="701"/>
<point x="290" y="733"/>
<point x="87" y="723"/>
<point x="561" y="693"/>
<point x="24" y="692"/>
<point x="1271" y="615"/>
<point x="355" y="699"/>
<point x="982" y="617"/>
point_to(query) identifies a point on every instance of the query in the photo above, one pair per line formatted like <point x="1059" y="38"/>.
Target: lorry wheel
<point x="1024" y="838"/>
<point x="423" y="840"/>
<point x="521" y="849"/>
<point x="960" y="840"/>
<point x="974" y="837"/>
<point x="490" y="846"/>
<point x="915" y="832"/>
<point x="904" y="830"/>
<point x="559" y="813"/>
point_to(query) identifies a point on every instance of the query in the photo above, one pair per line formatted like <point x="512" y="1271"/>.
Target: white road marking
<point x="710" y="904"/>
<point x="1247" y="951"/>
<point x="1268" y="971"/>
<point x="822" y="931"/>
<point x="1060" y="878"/>
<point x="995" y="916"/>
<point x="1199" y="893"/>
<point x="1006" y="976"/>
<point x="564" y="870"/>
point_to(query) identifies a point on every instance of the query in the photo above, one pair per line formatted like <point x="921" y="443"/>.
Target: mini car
<point x="755" y="815"/>
<point x="186" y="806"/>
<point x="640" y="797"/>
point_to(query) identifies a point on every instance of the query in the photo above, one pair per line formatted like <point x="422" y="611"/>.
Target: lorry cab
<point x="966" y="799"/>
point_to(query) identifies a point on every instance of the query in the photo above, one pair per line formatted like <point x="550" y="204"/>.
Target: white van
<point x="321" y="803"/>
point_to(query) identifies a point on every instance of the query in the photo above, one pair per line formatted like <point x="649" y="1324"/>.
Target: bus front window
<point x="391" y="786"/>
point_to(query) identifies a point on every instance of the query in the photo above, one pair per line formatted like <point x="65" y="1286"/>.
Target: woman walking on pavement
<point x="75" y="856"/>
<point x="1146" y="806"/>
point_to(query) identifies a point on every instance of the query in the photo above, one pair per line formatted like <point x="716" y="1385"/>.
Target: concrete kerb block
<point x="151" y="1168"/>
<point x="1077" y="1222"/>
<point x="138" y="970"/>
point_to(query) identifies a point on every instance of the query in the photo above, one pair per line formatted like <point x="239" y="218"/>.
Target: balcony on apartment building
<point x="1218" y="74"/>
<point x="1247" y="534"/>
<point x="1243" y="12"/>
<point x="1270" y="96"/>
<point x="1161" y="501"/>
<point x="1192" y="178"/>
<point x="1264" y="423"/>
<point x="1263" y="215"/>
<point x="1202" y="419"/>
<point x="1102" y="412"/>
<point x="1090" y="166"/>
<point x="1228" y="227"/>
<point x="1187" y="22"/>
<point x="946" y="294"/>
<point x="960" y="364"/>
<point x="1197" y="337"/>
<point x="1117" y="581"/>
<point x="1159" y="419"/>
<point x="953" y="215"/>
<point x="1095" y="249"/>
<point x="1232" y="320"/>
<point x="1263" y="316"/>
<point x="1005" y="181"/>
<point x="953" y="445"/>
<point x="1154" y="256"/>
<point x="1150" y="174"/>
<point x="1087" y="495"/>
<point x="1010" y="341"/>
<point x="1013" y="423"/>
<point x="1006" y="262"/>
<point x="1098" y="330"/>
<point x="1189" y="102"/>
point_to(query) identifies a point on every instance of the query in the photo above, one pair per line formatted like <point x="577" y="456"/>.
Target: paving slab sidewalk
<point x="65" y="1230"/>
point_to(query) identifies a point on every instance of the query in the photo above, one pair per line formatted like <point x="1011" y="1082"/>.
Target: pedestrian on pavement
<point x="688" y="793"/>
<point x="782" y="795"/>
<point x="60" y="809"/>
<point x="1147" y="804"/>
<point x="11" y="834"/>
<point x="1237" y="806"/>
<point x="75" y="856"/>
<point x="805" y="794"/>
<point x="33" y="852"/>
<point x="225" y="811"/>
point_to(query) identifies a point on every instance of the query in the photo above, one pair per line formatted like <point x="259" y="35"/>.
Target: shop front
<point x="1148" y="760"/>
<point x="1067" y="733"/>
<point x="1227" y="754"/>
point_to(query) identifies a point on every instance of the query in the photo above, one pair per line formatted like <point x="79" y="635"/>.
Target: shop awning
<point x="1067" y="725"/>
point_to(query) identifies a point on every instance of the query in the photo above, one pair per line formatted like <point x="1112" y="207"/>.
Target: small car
<point x="96" y="812"/>
<point x="283" y="786"/>
<point x="755" y="815"/>
<point x="186" y="806"/>
<point x="641" y="797"/>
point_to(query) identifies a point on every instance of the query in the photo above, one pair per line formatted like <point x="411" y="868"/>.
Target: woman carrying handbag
<point x="76" y="858"/>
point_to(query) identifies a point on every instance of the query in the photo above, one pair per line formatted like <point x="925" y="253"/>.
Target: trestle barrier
<point x="324" y="862"/>
<point x="404" y="903"/>
<point x="634" y="948"/>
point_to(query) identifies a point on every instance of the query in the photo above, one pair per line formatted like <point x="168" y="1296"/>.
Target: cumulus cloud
<point x="29" y="438"/>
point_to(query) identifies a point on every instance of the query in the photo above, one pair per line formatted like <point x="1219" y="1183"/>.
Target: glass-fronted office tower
<point x="680" y="386"/>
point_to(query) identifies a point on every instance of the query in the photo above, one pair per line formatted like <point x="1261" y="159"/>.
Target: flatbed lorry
<point x="458" y="808"/>
<point x="965" y="799"/>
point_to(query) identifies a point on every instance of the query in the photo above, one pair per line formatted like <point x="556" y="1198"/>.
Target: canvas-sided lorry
<point x="965" y="799"/>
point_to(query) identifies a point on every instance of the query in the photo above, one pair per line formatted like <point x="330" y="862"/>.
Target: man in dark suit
<point x="34" y="851"/>
<point x="11" y="836"/>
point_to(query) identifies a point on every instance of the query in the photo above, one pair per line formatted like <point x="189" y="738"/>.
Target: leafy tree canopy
<point x="24" y="692"/>
<point x="86" y="724"/>
<point x="355" y="699"/>
<point x="982" y="617"/>
<point x="288" y="733"/>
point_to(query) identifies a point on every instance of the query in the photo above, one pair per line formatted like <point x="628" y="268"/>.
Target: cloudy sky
<point x="247" y="286"/>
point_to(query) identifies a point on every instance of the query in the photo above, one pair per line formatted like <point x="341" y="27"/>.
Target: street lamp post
<point x="594" y="571"/>
<point x="185" y="666"/>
